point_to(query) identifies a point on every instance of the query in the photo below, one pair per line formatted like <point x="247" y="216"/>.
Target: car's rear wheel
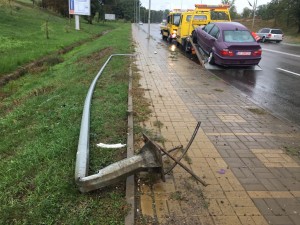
<point x="211" y="59"/>
<point x="278" y="41"/>
<point x="263" y="39"/>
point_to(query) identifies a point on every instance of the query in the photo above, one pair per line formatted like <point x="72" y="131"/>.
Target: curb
<point x="130" y="182"/>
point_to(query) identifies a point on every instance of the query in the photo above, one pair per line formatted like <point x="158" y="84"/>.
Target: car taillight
<point x="257" y="53"/>
<point x="269" y="35"/>
<point x="226" y="52"/>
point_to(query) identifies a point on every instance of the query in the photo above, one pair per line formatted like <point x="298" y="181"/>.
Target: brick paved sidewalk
<point x="239" y="149"/>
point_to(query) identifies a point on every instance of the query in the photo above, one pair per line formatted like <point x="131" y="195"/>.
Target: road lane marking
<point x="288" y="71"/>
<point x="284" y="53"/>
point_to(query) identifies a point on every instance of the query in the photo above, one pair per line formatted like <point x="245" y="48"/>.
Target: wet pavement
<point x="240" y="149"/>
<point x="274" y="87"/>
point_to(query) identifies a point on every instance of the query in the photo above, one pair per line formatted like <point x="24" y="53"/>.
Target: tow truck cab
<point x="200" y="16"/>
<point x="170" y="30"/>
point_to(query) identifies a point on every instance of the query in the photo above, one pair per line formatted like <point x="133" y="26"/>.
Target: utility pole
<point x="139" y="11"/>
<point x="149" y="17"/>
<point x="254" y="9"/>
<point x="136" y="11"/>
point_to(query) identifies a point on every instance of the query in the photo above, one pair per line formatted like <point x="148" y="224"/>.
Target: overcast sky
<point x="189" y="4"/>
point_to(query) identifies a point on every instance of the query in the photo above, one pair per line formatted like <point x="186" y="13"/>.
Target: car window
<point x="188" y="18"/>
<point x="238" y="36"/>
<point x="264" y="30"/>
<point x="214" y="32"/>
<point x="200" y="17"/>
<point x="215" y="15"/>
<point x="276" y="32"/>
<point x="176" y="19"/>
<point x="208" y="27"/>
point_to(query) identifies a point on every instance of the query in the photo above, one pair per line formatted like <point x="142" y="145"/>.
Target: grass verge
<point x="40" y="116"/>
<point x="23" y="40"/>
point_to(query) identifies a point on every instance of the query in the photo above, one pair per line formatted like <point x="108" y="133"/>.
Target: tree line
<point x="284" y="12"/>
<point x="281" y="11"/>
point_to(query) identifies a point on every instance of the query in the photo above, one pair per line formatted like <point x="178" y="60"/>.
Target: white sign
<point x="80" y="7"/>
<point x="110" y="16"/>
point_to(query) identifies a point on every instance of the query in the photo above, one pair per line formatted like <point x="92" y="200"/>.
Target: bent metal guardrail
<point x="149" y="157"/>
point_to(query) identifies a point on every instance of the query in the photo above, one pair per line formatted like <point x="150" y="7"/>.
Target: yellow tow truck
<point x="169" y="31"/>
<point x="200" y="16"/>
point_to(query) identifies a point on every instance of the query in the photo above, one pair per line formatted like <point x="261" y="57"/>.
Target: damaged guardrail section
<point x="149" y="157"/>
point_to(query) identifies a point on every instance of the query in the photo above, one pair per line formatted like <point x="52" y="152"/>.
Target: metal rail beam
<point x="82" y="156"/>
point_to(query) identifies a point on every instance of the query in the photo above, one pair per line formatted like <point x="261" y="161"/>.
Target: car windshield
<point x="176" y="19"/>
<point x="238" y="36"/>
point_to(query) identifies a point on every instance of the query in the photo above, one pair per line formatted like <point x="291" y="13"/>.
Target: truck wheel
<point x="211" y="59"/>
<point x="187" y="47"/>
<point x="194" y="37"/>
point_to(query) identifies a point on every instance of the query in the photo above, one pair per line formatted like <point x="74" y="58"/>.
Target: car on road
<point x="228" y="44"/>
<point x="270" y="34"/>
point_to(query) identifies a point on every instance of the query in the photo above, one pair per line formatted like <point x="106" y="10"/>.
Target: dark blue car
<point x="228" y="44"/>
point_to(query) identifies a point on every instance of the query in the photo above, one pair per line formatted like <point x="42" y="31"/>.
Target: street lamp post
<point x="254" y="9"/>
<point x="149" y="15"/>
<point x="139" y="11"/>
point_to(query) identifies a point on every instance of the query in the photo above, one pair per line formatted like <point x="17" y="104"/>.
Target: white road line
<point x="289" y="71"/>
<point x="284" y="53"/>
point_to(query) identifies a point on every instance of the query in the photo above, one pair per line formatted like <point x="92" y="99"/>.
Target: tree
<point x="232" y="9"/>
<point x="264" y="12"/>
<point x="246" y="12"/>
<point x="292" y="9"/>
<point x="7" y="3"/>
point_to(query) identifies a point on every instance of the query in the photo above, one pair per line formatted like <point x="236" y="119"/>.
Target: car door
<point x="203" y="38"/>
<point x="212" y="38"/>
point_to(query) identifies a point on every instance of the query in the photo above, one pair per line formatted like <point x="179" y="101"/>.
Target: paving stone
<point x="254" y="187"/>
<point x="262" y="206"/>
<point x="290" y="206"/>
<point x="246" y="145"/>
<point x="274" y="207"/>
<point x="146" y="205"/>
<point x="234" y="162"/>
<point x="226" y="220"/>
<point x="295" y="219"/>
<point x="259" y="220"/>
<point x="279" y="220"/>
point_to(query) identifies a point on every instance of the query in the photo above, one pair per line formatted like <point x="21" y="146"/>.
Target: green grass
<point x="23" y="39"/>
<point x="40" y="116"/>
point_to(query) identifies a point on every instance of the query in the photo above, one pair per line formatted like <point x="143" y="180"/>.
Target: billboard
<point x="80" y="7"/>
<point x="110" y="16"/>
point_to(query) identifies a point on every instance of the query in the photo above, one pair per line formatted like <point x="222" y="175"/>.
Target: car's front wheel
<point x="194" y="37"/>
<point x="211" y="59"/>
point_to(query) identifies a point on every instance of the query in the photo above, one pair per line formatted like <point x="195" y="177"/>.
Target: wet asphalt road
<point x="274" y="88"/>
